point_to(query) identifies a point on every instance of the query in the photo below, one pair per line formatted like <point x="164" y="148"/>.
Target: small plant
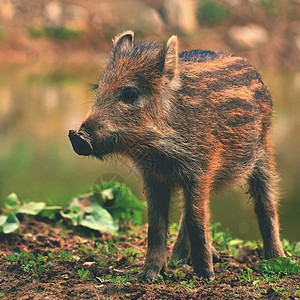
<point x="131" y="252"/>
<point x="119" y="201"/>
<point x="111" y="247"/>
<point x="173" y="263"/>
<point x="35" y="265"/>
<point x="180" y="274"/>
<point x="130" y="260"/>
<point x="248" y="275"/>
<point x="161" y="278"/>
<point x="85" y="211"/>
<point x="86" y="251"/>
<point x="101" y="208"/>
<point x="224" y="239"/>
<point x="190" y="284"/>
<point x="107" y="248"/>
<point x="83" y="274"/>
<point x="65" y="256"/>
<point x="102" y="262"/>
<point x="118" y="280"/>
<point x="13" y="206"/>
<point x="276" y="268"/>
<point x="220" y="237"/>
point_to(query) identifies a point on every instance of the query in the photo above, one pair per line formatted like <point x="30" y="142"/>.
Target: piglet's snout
<point x="80" y="142"/>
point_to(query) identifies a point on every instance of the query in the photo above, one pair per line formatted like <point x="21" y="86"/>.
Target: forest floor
<point x="52" y="261"/>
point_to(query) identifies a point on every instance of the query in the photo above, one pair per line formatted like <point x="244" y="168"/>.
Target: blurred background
<point x="51" y="50"/>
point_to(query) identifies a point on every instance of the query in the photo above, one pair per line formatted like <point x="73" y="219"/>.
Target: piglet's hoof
<point x="206" y="274"/>
<point x="150" y="274"/>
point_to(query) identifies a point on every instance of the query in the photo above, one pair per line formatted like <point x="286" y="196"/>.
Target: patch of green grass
<point x="131" y="260"/>
<point x="247" y="275"/>
<point x="173" y="263"/>
<point x="190" y="284"/>
<point x="224" y="239"/>
<point x="87" y="251"/>
<point x="61" y="256"/>
<point x="161" y="278"/>
<point x="180" y="274"/>
<point x="130" y="251"/>
<point x="110" y="247"/>
<point x="65" y="256"/>
<point x="35" y="265"/>
<point x="83" y="274"/>
<point x="121" y="279"/>
<point x="275" y="268"/>
<point x="102" y="262"/>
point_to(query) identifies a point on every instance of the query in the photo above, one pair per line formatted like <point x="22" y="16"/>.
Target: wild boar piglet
<point x="197" y="120"/>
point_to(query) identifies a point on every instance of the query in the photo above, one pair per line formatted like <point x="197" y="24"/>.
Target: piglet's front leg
<point x="158" y="196"/>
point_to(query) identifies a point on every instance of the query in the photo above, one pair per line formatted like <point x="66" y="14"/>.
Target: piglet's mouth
<point x="80" y="142"/>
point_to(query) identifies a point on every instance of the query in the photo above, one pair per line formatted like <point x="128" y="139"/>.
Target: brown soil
<point x="109" y="260"/>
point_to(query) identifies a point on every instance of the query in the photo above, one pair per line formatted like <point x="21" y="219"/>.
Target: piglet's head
<point x="133" y="99"/>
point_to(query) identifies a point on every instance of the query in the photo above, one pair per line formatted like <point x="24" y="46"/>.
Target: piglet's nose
<point x="80" y="143"/>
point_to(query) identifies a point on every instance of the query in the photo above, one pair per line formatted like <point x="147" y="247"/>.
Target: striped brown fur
<point x="199" y="121"/>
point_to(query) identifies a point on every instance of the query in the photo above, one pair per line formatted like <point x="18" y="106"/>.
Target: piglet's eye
<point x="129" y="95"/>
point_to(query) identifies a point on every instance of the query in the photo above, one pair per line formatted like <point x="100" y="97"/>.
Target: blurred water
<point x="39" y="104"/>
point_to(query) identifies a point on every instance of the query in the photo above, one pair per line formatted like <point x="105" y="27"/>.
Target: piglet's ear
<point x="123" y="41"/>
<point x="171" y="58"/>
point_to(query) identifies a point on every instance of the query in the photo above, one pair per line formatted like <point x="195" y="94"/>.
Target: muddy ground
<point x="113" y="264"/>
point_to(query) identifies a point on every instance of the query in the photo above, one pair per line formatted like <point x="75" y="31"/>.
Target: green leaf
<point x="11" y="223"/>
<point x="31" y="208"/>
<point x="101" y="220"/>
<point x="2" y="220"/>
<point x="12" y="201"/>
<point x="119" y="200"/>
